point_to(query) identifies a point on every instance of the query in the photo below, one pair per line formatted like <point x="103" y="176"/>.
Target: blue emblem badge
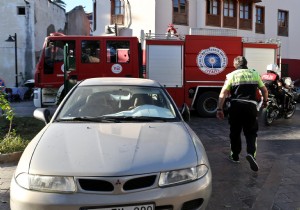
<point x="212" y="61"/>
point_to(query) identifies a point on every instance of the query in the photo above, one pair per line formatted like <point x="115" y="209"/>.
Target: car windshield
<point x="118" y="104"/>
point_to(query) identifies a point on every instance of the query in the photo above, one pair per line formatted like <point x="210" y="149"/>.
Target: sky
<point x="87" y="5"/>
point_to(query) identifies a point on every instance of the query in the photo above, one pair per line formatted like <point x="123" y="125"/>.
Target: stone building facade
<point x="32" y="21"/>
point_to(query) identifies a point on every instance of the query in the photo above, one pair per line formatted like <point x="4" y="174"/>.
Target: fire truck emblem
<point x="116" y="68"/>
<point x="212" y="61"/>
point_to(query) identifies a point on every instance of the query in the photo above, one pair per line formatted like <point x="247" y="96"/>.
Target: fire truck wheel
<point x="207" y="104"/>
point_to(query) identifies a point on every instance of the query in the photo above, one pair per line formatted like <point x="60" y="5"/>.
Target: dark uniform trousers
<point x="243" y="117"/>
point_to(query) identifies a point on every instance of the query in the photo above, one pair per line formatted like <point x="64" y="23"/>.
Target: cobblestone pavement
<point x="276" y="186"/>
<point x="6" y="172"/>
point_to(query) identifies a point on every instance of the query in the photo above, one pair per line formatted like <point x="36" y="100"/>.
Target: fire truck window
<point x="118" y="51"/>
<point x="90" y="51"/>
<point x="54" y="53"/>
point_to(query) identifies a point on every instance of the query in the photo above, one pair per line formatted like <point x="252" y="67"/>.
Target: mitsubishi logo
<point x="118" y="182"/>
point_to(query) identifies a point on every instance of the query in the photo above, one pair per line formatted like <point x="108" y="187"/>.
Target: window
<point x="21" y="10"/>
<point x="282" y="18"/>
<point x="54" y="53"/>
<point x="260" y="13"/>
<point x="118" y="51"/>
<point x="260" y="20"/>
<point x="245" y="10"/>
<point x="90" y="51"/>
<point x="229" y="8"/>
<point x="213" y="17"/>
<point x="229" y="14"/>
<point x="213" y="7"/>
<point x="283" y="23"/>
<point x="180" y="12"/>
<point x="245" y="21"/>
<point x="117" y="12"/>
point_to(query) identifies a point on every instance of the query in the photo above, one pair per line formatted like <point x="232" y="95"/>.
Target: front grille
<point x="138" y="183"/>
<point x="117" y="184"/>
<point x="95" y="185"/>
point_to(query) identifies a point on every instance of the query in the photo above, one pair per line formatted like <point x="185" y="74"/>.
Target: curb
<point x="10" y="157"/>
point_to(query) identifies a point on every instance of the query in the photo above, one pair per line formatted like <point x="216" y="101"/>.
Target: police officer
<point x="241" y="87"/>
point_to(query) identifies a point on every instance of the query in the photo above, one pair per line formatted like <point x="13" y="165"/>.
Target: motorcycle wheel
<point x="290" y="112"/>
<point x="269" y="115"/>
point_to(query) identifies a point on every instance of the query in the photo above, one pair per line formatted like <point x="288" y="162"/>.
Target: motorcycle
<point x="281" y="105"/>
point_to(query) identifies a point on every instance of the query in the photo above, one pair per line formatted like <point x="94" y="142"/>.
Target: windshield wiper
<point x="89" y="119"/>
<point x="143" y="119"/>
<point x="114" y="119"/>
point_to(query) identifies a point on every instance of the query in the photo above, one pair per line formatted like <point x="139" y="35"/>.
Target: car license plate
<point x="136" y="207"/>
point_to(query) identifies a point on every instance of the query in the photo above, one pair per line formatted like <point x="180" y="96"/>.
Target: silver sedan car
<point x="113" y="144"/>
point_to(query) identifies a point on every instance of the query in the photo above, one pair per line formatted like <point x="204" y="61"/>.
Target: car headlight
<point x="59" y="184"/>
<point x="182" y="175"/>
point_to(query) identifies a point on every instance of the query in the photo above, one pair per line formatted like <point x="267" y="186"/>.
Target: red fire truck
<point x="192" y="69"/>
<point x="89" y="56"/>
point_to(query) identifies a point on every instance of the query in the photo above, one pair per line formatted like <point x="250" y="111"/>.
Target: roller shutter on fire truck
<point x="259" y="58"/>
<point x="166" y="64"/>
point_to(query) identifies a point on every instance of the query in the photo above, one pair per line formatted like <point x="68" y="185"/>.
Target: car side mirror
<point x="185" y="112"/>
<point x="42" y="114"/>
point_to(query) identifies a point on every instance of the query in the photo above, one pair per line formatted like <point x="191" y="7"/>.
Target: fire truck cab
<point x="88" y="56"/>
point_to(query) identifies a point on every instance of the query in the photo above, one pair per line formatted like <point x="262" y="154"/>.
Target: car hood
<point x="97" y="149"/>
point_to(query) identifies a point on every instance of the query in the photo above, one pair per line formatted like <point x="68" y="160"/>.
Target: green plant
<point x="14" y="137"/>
<point x="23" y="130"/>
<point x="26" y="127"/>
<point x="12" y="143"/>
<point x="6" y="109"/>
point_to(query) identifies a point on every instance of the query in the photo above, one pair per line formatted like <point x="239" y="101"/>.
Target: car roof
<point x="119" y="81"/>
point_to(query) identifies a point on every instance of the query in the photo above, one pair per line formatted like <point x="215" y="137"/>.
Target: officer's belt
<point x="244" y="100"/>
